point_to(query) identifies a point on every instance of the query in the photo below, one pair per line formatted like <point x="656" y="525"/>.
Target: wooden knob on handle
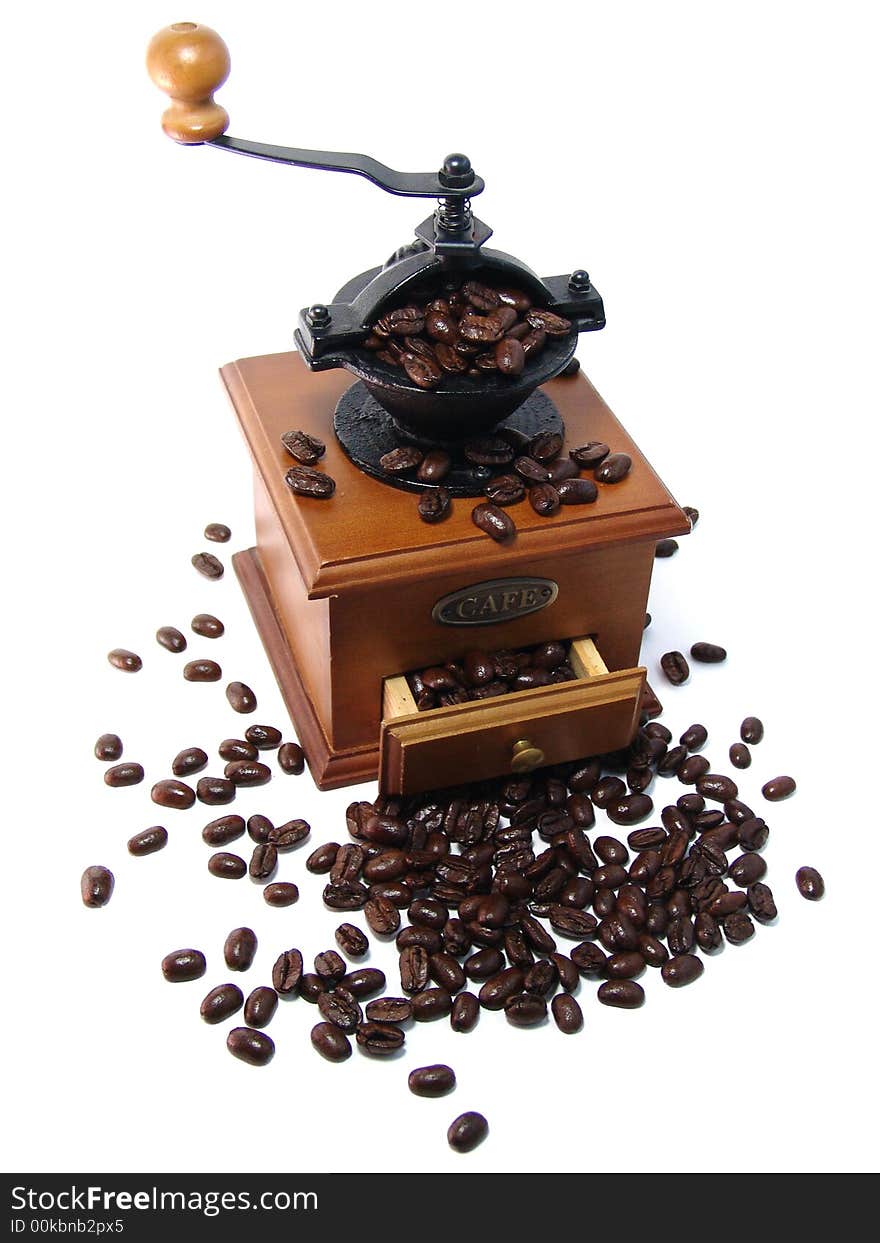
<point x="189" y="62"/>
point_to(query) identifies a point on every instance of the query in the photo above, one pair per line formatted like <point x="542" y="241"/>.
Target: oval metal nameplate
<point x="500" y="600"/>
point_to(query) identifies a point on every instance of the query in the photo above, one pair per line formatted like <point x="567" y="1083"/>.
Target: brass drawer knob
<point x="525" y="757"/>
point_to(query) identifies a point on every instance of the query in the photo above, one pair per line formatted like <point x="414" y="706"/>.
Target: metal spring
<point x="454" y="215"/>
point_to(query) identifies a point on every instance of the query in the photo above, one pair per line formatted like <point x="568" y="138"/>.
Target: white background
<point x="713" y="166"/>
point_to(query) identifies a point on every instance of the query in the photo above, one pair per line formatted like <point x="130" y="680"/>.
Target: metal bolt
<point x="317" y="316"/>
<point x="579" y="281"/>
<point x="456" y="171"/>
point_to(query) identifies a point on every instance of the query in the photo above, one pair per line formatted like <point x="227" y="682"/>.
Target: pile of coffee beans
<point x="484" y="675"/>
<point x="471" y="330"/>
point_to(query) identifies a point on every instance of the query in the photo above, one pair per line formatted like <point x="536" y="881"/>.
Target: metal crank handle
<point x="189" y="62"/>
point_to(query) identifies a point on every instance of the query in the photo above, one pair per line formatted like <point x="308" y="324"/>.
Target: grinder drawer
<point x="596" y="712"/>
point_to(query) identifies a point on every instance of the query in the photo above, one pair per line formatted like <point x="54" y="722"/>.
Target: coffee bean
<point x="494" y="522"/>
<point x="215" y="791"/>
<point x="694" y="737"/>
<point x="122" y="658"/>
<point x="554" y="325"/>
<point x="562" y="470"/>
<point x="261" y="738"/>
<point x="510" y="357"/>
<point x="305" y="481"/>
<point x="321" y="861"/>
<point x="330" y="1042"/>
<point x="311" y="987"/>
<point x="208" y="565"/>
<point x="435" y="465"/>
<point x="379" y="1039"/>
<point x="490" y="451"/>
<point x="207" y="625"/>
<point x="202" y="671"/>
<point x="260" y="828"/>
<point x="192" y="760"/>
<point x="810" y="884"/>
<point x="108" y="747"/>
<point x="237" y="749"/>
<point x="305" y="448"/>
<point x="738" y="928"/>
<point x="589" y="960"/>
<point x="666" y="548"/>
<point x="382" y="916"/>
<point x="761" y="902"/>
<point x="591" y="454"/>
<point x="717" y="787"/>
<point x="630" y="809"/>
<point x="221" y="1002"/>
<point x="248" y="1045"/>
<point x="577" y="492"/>
<point x="752" y="834"/>
<point x="708" y="653"/>
<point x="183" y="965"/>
<point x="330" y="966"/>
<point x="389" y="1010"/>
<point x="740" y="755"/>
<point x="437" y="1080"/>
<point x="171" y="639"/>
<point x="567" y="1013"/>
<point x="401" y="460"/>
<point x="264" y="862"/>
<point x="364" y="981"/>
<point x="499" y="988"/>
<point x="530" y="470"/>
<point x="341" y="1009"/>
<point x="623" y="994"/>
<point x="125" y="774"/>
<point x="525" y="1010"/>
<point x="227" y="866"/>
<point x="778" y="788"/>
<point x="241" y="698"/>
<point x="435" y="505"/>
<point x="505" y="490"/>
<point x="693" y="515"/>
<point x="218" y="532"/>
<point x="684" y="969"/>
<point x="345" y="896"/>
<point x="96" y="886"/>
<point x="223" y="831"/>
<point x="287" y="836"/>
<point x="148" y="841"/>
<point x="247" y="773"/>
<point x="291" y="758"/>
<point x="465" y="1013"/>
<point x="613" y="468"/>
<point x="239" y="949"/>
<point x="751" y="730"/>
<point x="172" y="793"/>
<point x="675" y="667"/>
<point x="287" y="972"/>
<point x="544" y="499"/>
<point x="747" y="869"/>
<point x="431" y="1004"/>
<point x="467" y="1131"/>
<point x="545" y="447"/>
<point x="281" y="893"/>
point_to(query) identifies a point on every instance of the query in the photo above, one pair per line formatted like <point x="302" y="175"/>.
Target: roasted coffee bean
<point x="401" y="460"/>
<point x="148" y="841"/>
<point x="530" y="470"/>
<point x="751" y="730"/>
<point x="172" y="793"/>
<point x="311" y="987"/>
<point x="510" y="357"/>
<point x="208" y="626"/>
<point x="623" y="994"/>
<point x="330" y="1042"/>
<point x="122" y="658"/>
<point x="108" y="747"/>
<point x="263" y="737"/>
<point x="666" y="548"/>
<point x="738" y="928"/>
<point x="321" y="861"/>
<point x="525" y="1010"/>
<point x="707" y="932"/>
<point x="379" y="1039"/>
<point x="215" y="791"/>
<point x="389" y="1010"/>
<point x="403" y="322"/>
<point x="431" y="1004"/>
<point x="694" y="737"/>
<point x="624" y="965"/>
<point x="341" y="1009"/>
<point x="413" y="965"/>
<point x="202" y="671"/>
<point x="693" y="515"/>
<point x="344" y="896"/>
<point x="435" y="505"/>
<point x="752" y="834"/>
<point x="435" y="465"/>
<point x="364" y="981"/>
<point x="305" y="481"/>
<point x="494" y="522"/>
<point x="672" y="761"/>
<point x="554" y="325"/>
<point x="287" y="836"/>
<point x="544" y="499"/>
<point x="281" y="893"/>
<point x="259" y="828"/>
<point x="645" y="839"/>
<point x="96" y="886"/>
<point x="740" y="755"/>
<point x="545" y="447"/>
<point x="183" y="965"/>
<point x="505" y="490"/>
<point x="237" y="749"/>
<point x="248" y="1045"/>
<point x="260" y="1007"/>
<point x="208" y="565"/>
<point x="287" y="972"/>
<point x="484" y="964"/>
<point x="467" y="1131"/>
<point x="221" y="1002"/>
<point x="125" y="774"/>
<point x="264" y="862"/>
<point x="218" y="532"/>
<point x="567" y="1014"/>
<point x="465" y="1013"/>
<point x="761" y="903"/>
<point x="717" y="787"/>
<point x="675" y="667"/>
<point x="490" y="451"/>
<point x="810" y="884"/>
<point x="613" y="468"/>
<point x="436" y="1080"/>
<point x="577" y="492"/>
<point x="171" y="639"/>
<point x="607" y="790"/>
<point x="240" y="697"/>
<point x="708" y="653"/>
<point x="291" y="758"/>
<point x="653" y="952"/>
<point x="239" y="949"/>
<point x="591" y="454"/>
<point x="351" y="940"/>
<point x="382" y="916"/>
<point x="330" y="966"/>
<point x="499" y="988"/>
<point x="562" y="470"/>
<point x="693" y="768"/>
<point x="589" y="960"/>
<point x="747" y="869"/>
<point x="192" y="760"/>
<point x="449" y="358"/>
<point x="247" y="773"/>
<point x="541" y="978"/>
<point x="778" y="788"/>
<point x="572" y="923"/>
<point x="630" y="809"/>
<point x="227" y="866"/>
<point x="737" y="812"/>
<point x="305" y="448"/>
<point x="445" y="971"/>
<point x="684" y="969"/>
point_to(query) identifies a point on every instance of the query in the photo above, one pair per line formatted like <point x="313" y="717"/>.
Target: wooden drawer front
<point x="466" y="742"/>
